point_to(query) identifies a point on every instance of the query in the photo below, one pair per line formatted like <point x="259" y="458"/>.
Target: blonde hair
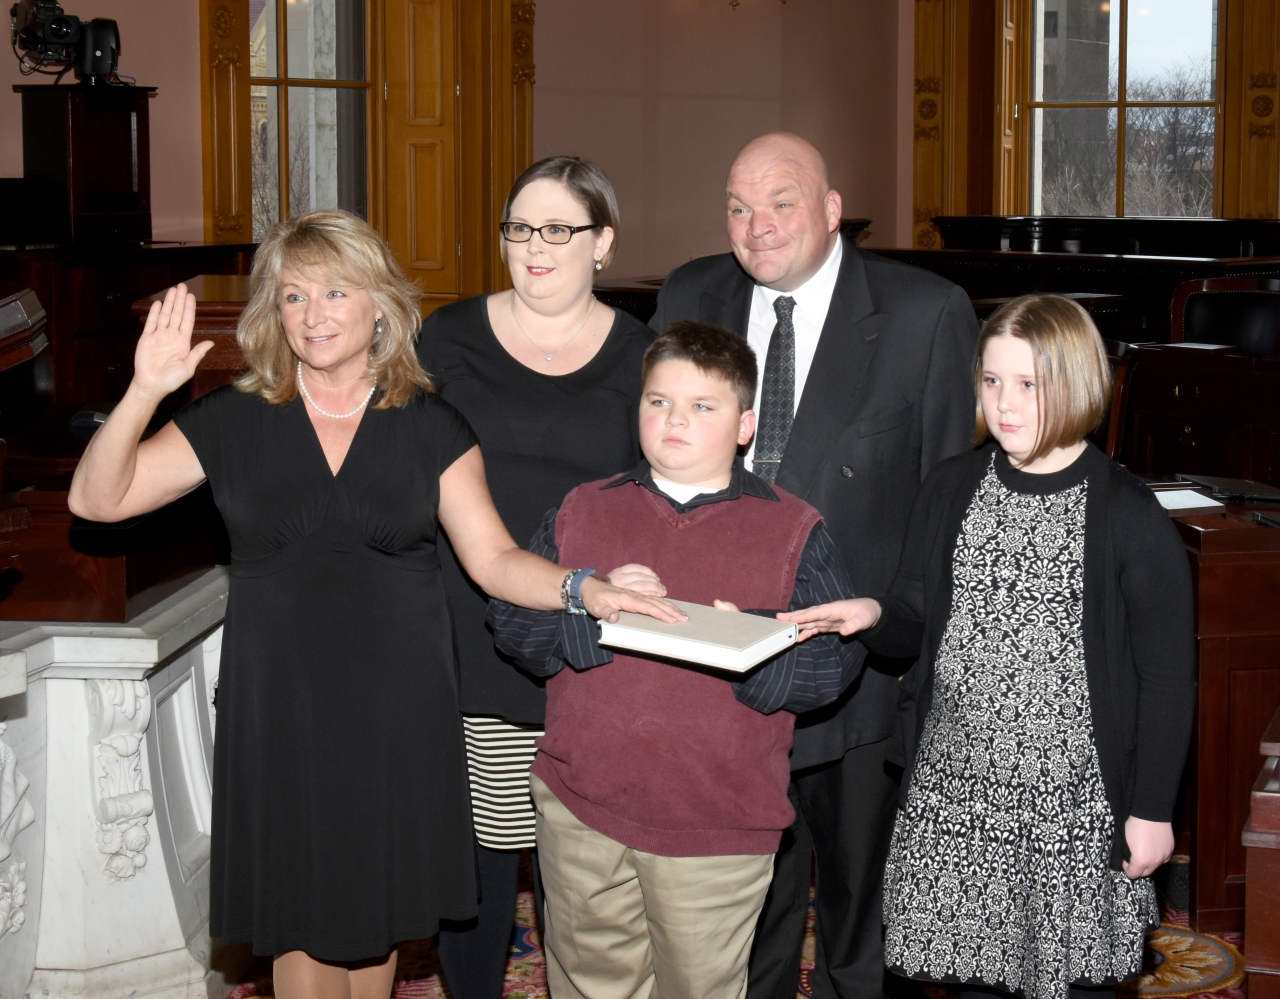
<point x="1073" y="375"/>
<point x="343" y="248"/>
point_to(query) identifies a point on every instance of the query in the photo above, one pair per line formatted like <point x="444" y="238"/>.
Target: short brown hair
<point x="588" y="184"/>
<point x="340" y="247"/>
<point x="713" y="351"/>
<point x="1073" y="375"/>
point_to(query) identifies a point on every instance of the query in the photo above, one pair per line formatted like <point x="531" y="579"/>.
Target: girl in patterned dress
<point x="1047" y="718"/>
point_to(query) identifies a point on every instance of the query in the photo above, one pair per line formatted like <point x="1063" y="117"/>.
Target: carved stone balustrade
<point x="105" y="760"/>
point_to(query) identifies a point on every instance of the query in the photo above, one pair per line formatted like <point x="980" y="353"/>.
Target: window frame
<point x="1026" y="88"/>
<point x="972" y="72"/>
<point x="283" y="83"/>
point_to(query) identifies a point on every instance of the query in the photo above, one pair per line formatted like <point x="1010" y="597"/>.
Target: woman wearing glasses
<point x="549" y="379"/>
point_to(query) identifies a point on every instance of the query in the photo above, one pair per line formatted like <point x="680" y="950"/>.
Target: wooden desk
<point x="1199" y="409"/>
<point x="55" y="568"/>
<point x="87" y="293"/>
<point x="72" y="570"/>
<point x="220" y="298"/>
<point x="1235" y="563"/>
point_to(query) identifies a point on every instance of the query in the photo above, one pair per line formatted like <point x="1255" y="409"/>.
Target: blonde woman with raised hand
<point x="340" y="814"/>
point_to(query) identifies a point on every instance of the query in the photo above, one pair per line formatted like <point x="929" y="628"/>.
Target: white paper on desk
<point x="1184" y="499"/>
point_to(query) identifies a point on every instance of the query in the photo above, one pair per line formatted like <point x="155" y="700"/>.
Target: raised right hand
<point x="844" y="616"/>
<point x="165" y="359"/>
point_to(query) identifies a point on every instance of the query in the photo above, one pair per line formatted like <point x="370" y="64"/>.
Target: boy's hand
<point x="843" y="616"/>
<point x="605" y="602"/>
<point x="1150" y="845"/>
<point x="724" y="605"/>
<point x="640" y="578"/>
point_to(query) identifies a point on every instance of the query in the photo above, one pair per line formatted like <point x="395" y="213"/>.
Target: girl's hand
<point x="605" y="602"/>
<point x="165" y="359"/>
<point x="1150" y="845"/>
<point x="639" y="578"/>
<point x="845" y="617"/>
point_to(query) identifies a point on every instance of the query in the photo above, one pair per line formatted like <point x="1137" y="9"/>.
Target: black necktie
<point x="777" y="393"/>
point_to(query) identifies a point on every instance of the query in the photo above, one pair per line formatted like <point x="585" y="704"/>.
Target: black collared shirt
<point x="741" y="482"/>
<point x="806" y="676"/>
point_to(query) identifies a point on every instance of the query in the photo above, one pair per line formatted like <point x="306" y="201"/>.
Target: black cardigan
<point x="1139" y="641"/>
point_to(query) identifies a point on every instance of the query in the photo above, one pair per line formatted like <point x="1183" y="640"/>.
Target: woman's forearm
<point x="107" y="469"/>
<point x="521" y="577"/>
<point x="508" y="572"/>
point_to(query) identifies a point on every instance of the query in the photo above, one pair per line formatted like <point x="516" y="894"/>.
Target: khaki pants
<point x="624" y="924"/>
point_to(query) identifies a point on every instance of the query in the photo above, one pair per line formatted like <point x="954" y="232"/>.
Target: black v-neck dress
<point x="341" y="821"/>
<point x="542" y="435"/>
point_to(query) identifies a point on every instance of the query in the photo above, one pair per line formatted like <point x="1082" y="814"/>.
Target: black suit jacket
<point x="889" y="395"/>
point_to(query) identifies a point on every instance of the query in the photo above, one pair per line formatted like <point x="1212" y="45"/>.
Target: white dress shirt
<point x="813" y="299"/>
<point x="678" y="491"/>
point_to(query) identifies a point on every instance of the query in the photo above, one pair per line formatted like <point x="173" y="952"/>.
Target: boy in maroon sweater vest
<point x="661" y="789"/>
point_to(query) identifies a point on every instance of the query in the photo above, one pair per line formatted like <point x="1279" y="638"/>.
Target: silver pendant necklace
<point x="543" y="350"/>
<point x="324" y="412"/>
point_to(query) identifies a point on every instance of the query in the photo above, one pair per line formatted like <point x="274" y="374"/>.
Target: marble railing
<point x="106" y="750"/>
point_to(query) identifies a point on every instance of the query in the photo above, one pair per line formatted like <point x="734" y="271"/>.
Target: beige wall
<point x="661" y="93"/>
<point x="160" y="46"/>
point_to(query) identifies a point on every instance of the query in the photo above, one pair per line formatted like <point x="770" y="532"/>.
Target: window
<point x="1123" y="107"/>
<point x="309" y="95"/>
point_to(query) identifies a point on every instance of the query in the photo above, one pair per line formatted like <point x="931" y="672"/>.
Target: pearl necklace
<point x="543" y="350"/>
<point x="333" y="416"/>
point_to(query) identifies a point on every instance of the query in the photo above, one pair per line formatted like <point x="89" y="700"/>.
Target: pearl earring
<point x="377" y="326"/>
<point x="599" y="266"/>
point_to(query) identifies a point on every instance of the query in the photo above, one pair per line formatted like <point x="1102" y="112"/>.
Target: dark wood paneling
<point x="981" y="139"/>
<point x="88" y="294"/>
<point x="73" y="571"/>
<point x="1202" y="412"/>
<point x="1236" y="569"/>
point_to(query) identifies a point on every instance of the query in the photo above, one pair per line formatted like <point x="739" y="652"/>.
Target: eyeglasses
<point x="552" y="232"/>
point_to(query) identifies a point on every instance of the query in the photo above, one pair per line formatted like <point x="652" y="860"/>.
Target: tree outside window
<point x="1123" y="107"/>
<point x="309" y="96"/>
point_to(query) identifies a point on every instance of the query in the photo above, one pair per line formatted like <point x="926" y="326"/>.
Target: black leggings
<point x="473" y="954"/>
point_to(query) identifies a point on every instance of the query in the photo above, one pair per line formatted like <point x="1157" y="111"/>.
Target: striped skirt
<point x="499" y="754"/>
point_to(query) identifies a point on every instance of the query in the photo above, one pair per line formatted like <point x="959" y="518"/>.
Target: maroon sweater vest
<point x="663" y="758"/>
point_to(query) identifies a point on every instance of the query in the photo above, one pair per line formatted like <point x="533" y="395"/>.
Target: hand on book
<point x="606" y="601"/>
<point x="725" y="605"/>
<point x="639" y="578"/>
<point x="847" y="617"/>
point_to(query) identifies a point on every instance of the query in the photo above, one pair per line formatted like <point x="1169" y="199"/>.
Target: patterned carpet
<point x="1180" y="964"/>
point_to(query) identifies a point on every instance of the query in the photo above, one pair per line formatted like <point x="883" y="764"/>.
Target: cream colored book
<point x="727" y="640"/>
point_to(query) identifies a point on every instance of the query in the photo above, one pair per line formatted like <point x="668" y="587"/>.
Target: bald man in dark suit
<point x="866" y="384"/>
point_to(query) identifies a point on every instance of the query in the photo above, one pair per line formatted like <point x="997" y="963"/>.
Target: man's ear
<point x="746" y="426"/>
<point x="835" y="206"/>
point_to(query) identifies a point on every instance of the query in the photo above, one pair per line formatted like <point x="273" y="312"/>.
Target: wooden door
<point x="421" y="124"/>
<point x="1013" y="73"/>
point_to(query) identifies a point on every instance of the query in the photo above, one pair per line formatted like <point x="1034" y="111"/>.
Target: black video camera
<point x="50" y="37"/>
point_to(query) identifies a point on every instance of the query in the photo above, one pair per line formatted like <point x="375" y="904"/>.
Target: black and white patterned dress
<point x="998" y="870"/>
